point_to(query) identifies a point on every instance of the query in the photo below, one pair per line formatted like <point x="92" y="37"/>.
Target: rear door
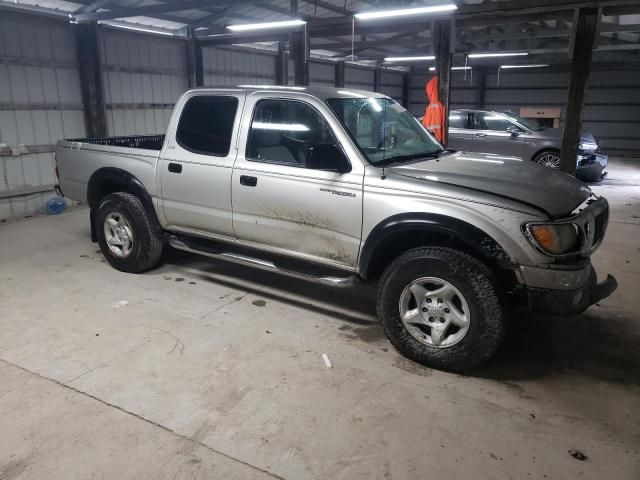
<point x="460" y="136"/>
<point x="490" y="134"/>
<point x="279" y="200"/>
<point x="196" y="164"/>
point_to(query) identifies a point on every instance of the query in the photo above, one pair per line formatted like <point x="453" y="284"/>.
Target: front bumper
<point x="564" y="292"/>
<point x="592" y="168"/>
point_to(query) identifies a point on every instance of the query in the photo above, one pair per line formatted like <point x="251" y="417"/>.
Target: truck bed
<point x="147" y="142"/>
<point x="79" y="158"/>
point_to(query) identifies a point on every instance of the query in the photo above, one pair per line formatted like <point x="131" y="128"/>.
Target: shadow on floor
<point x="353" y="305"/>
<point x="595" y="344"/>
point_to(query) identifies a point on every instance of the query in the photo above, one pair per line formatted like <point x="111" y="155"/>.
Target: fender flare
<point x="129" y="182"/>
<point x="462" y="231"/>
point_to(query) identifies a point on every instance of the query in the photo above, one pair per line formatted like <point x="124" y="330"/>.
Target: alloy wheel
<point x="434" y="312"/>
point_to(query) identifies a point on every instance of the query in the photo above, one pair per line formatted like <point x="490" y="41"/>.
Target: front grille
<point x="591" y="218"/>
<point x="600" y="226"/>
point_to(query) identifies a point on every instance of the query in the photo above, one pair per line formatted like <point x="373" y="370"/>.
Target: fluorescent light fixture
<point x="281" y="127"/>
<point x="541" y="65"/>
<point x="498" y="54"/>
<point x="447" y="7"/>
<point x="266" y="25"/>
<point x="409" y="59"/>
<point x="433" y="69"/>
<point x="137" y="29"/>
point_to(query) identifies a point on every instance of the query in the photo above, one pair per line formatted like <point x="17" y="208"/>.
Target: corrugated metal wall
<point x="358" y="77"/>
<point x="229" y="67"/>
<point x="40" y="103"/>
<point x="391" y="85"/>
<point x="143" y="77"/>
<point x="40" y="95"/>
<point x="320" y="73"/>
<point x="612" y="106"/>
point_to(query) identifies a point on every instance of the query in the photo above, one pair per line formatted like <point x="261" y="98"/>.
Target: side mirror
<point x="327" y="156"/>
<point x="514" y="131"/>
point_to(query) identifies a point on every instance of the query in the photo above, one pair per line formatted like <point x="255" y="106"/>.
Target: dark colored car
<point x="509" y="134"/>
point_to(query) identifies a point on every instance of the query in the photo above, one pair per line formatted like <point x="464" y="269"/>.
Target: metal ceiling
<point x="541" y="27"/>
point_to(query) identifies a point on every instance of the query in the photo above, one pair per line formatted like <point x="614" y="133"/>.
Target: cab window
<point x="458" y="119"/>
<point x="206" y="124"/>
<point x="285" y="132"/>
<point x="491" y="121"/>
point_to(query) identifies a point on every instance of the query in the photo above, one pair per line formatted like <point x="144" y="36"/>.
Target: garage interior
<point x="204" y="369"/>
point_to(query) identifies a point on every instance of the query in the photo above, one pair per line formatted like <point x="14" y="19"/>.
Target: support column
<point x="482" y="88"/>
<point x="88" y="49"/>
<point x="340" y="74"/>
<point x="377" y="77"/>
<point x="406" y="89"/>
<point x="443" y="43"/>
<point x="585" y="35"/>
<point x="299" y="48"/>
<point x="282" y="65"/>
<point x="194" y="60"/>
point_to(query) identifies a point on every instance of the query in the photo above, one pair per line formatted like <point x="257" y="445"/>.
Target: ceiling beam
<point x="330" y="7"/>
<point x="92" y="7"/>
<point x="150" y="10"/>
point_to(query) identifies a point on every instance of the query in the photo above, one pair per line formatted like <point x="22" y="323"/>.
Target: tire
<point x="548" y="158"/>
<point x="460" y="348"/>
<point x="140" y="241"/>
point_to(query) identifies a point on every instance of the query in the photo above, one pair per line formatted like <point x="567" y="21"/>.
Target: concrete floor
<point x="215" y="371"/>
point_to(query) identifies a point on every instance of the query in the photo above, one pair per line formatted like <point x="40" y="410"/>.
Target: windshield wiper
<point x="410" y="158"/>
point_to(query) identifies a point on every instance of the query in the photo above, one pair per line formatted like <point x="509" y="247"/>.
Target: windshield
<point x="530" y="124"/>
<point x="383" y="130"/>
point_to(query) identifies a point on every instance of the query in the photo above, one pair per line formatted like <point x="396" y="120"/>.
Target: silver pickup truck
<point x="338" y="186"/>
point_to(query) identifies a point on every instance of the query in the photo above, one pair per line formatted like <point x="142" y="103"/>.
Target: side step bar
<point x="339" y="282"/>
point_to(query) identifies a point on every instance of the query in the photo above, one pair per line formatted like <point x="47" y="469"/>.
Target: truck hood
<point x="550" y="190"/>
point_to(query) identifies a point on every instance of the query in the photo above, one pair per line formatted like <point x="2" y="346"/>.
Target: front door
<point x="195" y="167"/>
<point x="283" y="202"/>
<point x="490" y="134"/>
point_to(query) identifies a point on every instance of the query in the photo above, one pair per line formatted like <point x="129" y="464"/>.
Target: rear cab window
<point x="206" y="124"/>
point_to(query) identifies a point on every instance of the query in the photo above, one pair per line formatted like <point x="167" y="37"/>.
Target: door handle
<point x="480" y="134"/>
<point x="248" y="181"/>
<point x="175" y="168"/>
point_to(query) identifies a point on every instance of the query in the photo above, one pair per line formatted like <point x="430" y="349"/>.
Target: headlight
<point x="588" y="146"/>
<point x="553" y="239"/>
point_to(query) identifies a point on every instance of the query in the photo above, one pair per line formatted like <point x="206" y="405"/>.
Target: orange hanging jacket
<point x="434" y="115"/>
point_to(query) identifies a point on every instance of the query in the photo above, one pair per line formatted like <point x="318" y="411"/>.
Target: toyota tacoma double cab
<point x="338" y="186"/>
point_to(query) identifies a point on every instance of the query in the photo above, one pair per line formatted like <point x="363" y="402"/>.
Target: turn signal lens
<point x="555" y="239"/>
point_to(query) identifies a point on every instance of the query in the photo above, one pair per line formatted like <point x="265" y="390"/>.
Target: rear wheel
<point x="549" y="158"/>
<point x="440" y="307"/>
<point x="128" y="238"/>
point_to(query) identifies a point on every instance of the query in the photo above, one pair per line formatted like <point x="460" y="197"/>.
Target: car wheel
<point x="127" y="237"/>
<point x="548" y="159"/>
<point x="440" y="307"/>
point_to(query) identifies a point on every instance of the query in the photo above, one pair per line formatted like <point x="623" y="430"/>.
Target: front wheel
<point x="549" y="158"/>
<point x="440" y="307"/>
<point x="128" y="238"/>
